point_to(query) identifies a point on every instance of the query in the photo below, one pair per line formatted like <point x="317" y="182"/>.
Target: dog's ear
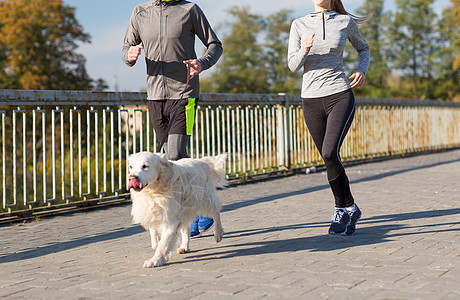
<point x="165" y="165"/>
<point x="165" y="172"/>
<point x="161" y="157"/>
<point x="128" y="162"/>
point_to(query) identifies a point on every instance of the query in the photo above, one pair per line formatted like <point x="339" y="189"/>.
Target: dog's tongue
<point x="135" y="184"/>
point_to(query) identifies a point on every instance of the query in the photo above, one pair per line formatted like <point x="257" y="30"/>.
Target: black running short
<point x="162" y="112"/>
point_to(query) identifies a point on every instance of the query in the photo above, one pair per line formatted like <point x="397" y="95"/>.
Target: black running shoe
<point x="354" y="218"/>
<point x="340" y="219"/>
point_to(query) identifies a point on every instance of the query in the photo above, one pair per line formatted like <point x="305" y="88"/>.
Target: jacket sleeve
<point x="132" y="38"/>
<point x="360" y="44"/>
<point x="296" y="53"/>
<point x="208" y="37"/>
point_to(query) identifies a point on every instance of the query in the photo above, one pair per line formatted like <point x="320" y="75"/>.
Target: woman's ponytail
<point x="337" y="6"/>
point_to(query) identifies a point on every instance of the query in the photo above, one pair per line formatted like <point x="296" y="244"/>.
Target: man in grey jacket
<point x="166" y="30"/>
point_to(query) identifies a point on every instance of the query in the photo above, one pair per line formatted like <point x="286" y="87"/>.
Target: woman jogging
<point x="316" y="43"/>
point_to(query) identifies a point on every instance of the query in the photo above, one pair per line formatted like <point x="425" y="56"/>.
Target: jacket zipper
<point x="324" y="27"/>
<point x="161" y="52"/>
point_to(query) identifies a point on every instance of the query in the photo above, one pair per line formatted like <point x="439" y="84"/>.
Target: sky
<point x="106" y="22"/>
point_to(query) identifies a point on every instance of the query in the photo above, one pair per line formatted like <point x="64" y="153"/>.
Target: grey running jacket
<point x="167" y="31"/>
<point x="323" y="73"/>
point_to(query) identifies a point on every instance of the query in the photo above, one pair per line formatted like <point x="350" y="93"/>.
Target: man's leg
<point x="181" y="128"/>
<point x="158" y="118"/>
<point x="176" y="147"/>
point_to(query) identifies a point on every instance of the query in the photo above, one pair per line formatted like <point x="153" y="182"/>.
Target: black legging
<point x="328" y="120"/>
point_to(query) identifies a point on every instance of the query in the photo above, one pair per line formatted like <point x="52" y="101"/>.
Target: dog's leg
<point x="218" y="230"/>
<point x="185" y="239"/>
<point x="154" y="238"/>
<point x="165" y="245"/>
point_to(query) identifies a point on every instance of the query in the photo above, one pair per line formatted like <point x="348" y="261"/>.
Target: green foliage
<point x="376" y="78"/>
<point x="415" y="45"/>
<point x="448" y="82"/>
<point x="281" y="79"/>
<point x="100" y="85"/>
<point x="38" y="40"/>
<point x="455" y="10"/>
<point x="240" y="70"/>
<point x="255" y="57"/>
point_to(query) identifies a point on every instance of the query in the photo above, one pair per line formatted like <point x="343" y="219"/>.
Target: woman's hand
<point x="308" y="42"/>
<point x="358" y="79"/>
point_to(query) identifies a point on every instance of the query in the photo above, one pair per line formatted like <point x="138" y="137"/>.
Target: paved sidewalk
<point x="276" y="244"/>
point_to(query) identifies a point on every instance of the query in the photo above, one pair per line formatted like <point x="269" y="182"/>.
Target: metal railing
<point x="65" y="148"/>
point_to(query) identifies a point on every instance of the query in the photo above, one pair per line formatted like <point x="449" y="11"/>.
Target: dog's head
<point x="145" y="169"/>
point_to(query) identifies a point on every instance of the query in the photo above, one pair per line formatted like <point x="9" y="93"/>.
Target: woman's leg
<point x="340" y="109"/>
<point x="328" y="120"/>
<point x="315" y="117"/>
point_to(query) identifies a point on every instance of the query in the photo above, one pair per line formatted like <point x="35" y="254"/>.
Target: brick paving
<point x="276" y="244"/>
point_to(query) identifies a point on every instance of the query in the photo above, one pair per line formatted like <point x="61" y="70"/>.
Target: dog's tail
<point x="218" y="165"/>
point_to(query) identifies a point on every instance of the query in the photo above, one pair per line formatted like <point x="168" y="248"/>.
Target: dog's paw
<point x="218" y="237"/>
<point x="182" y="250"/>
<point x="153" y="263"/>
<point x="148" y="264"/>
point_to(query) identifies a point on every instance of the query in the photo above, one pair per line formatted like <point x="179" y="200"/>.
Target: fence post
<point x="283" y="136"/>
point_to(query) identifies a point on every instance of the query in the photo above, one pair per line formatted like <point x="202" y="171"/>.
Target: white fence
<point x="66" y="148"/>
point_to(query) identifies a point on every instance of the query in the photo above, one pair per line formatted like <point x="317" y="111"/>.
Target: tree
<point x="207" y="85"/>
<point x="414" y="44"/>
<point x="372" y="30"/>
<point x="39" y="39"/>
<point x="241" y="69"/>
<point x="281" y="79"/>
<point x="448" y="69"/>
<point x="456" y="38"/>
<point x="3" y="78"/>
<point x="100" y="85"/>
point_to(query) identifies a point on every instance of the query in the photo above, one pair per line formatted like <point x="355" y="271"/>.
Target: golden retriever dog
<point x="168" y="195"/>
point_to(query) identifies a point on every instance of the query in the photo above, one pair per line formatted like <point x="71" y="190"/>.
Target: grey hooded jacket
<point x="323" y="73"/>
<point x="167" y="31"/>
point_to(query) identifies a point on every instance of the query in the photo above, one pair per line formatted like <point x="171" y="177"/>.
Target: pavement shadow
<point x="414" y="215"/>
<point x="320" y="243"/>
<point x="63" y="246"/>
<point x="397" y="172"/>
<point x="238" y="205"/>
<point x="370" y="235"/>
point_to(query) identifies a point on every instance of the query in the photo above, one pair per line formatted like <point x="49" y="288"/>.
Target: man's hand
<point x="358" y="79"/>
<point x="195" y="67"/>
<point x="308" y="42"/>
<point x="134" y="52"/>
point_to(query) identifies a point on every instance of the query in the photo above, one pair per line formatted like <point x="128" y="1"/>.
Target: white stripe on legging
<point x="343" y="131"/>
